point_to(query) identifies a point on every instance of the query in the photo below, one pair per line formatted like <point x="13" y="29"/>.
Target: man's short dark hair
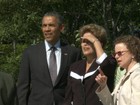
<point x="55" y="14"/>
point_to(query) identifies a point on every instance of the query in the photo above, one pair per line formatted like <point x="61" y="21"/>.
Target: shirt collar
<point x="48" y="46"/>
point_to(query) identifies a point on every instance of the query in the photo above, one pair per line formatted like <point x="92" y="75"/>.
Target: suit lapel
<point x="122" y="81"/>
<point x="126" y="77"/>
<point x="64" y="60"/>
<point x="43" y="61"/>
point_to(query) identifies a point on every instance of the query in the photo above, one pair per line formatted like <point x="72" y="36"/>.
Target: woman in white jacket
<point x="127" y="91"/>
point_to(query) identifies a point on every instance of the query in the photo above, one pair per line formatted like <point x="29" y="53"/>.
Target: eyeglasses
<point x="119" y="53"/>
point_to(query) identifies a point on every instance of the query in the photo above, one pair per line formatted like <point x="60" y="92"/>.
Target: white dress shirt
<point x="57" y="53"/>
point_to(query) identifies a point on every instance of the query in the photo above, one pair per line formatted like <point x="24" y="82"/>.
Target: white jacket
<point x="127" y="91"/>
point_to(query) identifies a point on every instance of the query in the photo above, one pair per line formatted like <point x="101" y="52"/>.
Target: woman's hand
<point x="101" y="79"/>
<point x="91" y="38"/>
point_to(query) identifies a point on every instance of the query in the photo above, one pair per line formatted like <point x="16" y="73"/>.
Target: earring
<point x="132" y="57"/>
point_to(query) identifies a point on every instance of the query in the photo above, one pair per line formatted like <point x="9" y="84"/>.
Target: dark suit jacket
<point x="82" y="92"/>
<point x="34" y="83"/>
<point x="7" y="89"/>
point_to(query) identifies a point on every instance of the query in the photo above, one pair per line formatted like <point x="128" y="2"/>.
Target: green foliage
<point x="9" y="60"/>
<point x="20" y="23"/>
<point x="10" y="65"/>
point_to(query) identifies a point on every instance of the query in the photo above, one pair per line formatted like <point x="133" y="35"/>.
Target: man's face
<point x="51" y="29"/>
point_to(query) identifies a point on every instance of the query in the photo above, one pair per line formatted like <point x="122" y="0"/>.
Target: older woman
<point x="81" y="83"/>
<point x="127" y="91"/>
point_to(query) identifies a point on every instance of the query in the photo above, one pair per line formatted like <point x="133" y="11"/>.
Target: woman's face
<point x="122" y="55"/>
<point x="87" y="46"/>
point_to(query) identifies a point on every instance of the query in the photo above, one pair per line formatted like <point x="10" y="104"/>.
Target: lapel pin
<point x="65" y="54"/>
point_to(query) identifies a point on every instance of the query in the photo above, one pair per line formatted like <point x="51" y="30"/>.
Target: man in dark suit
<point x="7" y="89"/>
<point x="35" y="85"/>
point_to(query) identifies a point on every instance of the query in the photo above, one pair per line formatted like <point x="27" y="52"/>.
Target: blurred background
<point x="20" y="23"/>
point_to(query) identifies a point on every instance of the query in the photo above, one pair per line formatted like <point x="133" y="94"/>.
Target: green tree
<point x="20" y="23"/>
